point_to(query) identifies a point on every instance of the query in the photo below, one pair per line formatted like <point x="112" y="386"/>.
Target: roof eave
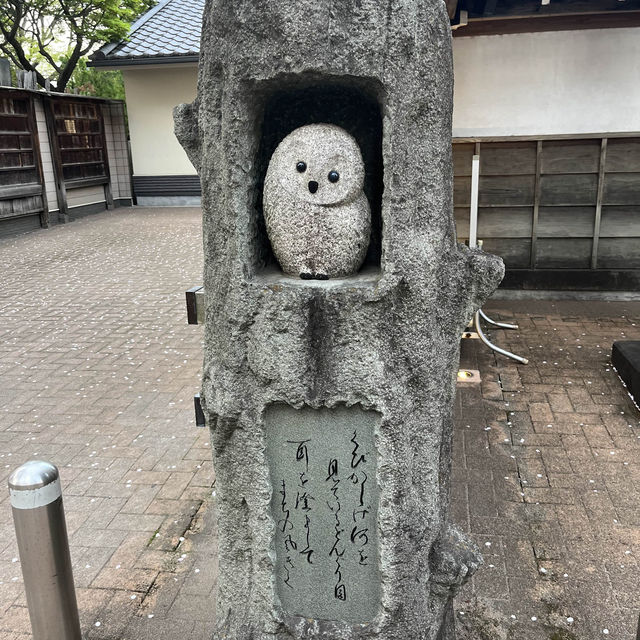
<point x="105" y="49"/>
<point x="117" y="62"/>
<point x="507" y="25"/>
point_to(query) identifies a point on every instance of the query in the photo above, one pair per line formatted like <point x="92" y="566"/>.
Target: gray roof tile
<point x="171" y="28"/>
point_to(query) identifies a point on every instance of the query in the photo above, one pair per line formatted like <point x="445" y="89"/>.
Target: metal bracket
<point x="493" y="347"/>
<point x="502" y="325"/>
<point x="195" y="306"/>
<point x="200" y="421"/>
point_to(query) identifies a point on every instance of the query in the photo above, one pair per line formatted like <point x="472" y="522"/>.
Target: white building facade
<point x="549" y="101"/>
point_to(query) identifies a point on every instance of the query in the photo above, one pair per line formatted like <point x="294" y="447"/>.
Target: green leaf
<point x="44" y="34"/>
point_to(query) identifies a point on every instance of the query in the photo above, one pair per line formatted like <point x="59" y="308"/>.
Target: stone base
<point x="448" y="630"/>
<point x="625" y="357"/>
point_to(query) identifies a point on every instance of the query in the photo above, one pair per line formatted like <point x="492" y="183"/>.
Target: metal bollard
<point x="38" y="516"/>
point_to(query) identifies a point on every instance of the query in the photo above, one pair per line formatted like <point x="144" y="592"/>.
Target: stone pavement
<point x="97" y="372"/>
<point x="547" y="477"/>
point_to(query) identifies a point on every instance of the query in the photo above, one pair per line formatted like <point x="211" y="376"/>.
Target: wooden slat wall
<point x="20" y="224"/>
<point x="79" y="149"/>
<point x="22" y="191"/>
<point x="86" y="195"/>
<point x="47" y="159"/>
<point x="20" y="206"/>
<point x="50" y="146"/>
<point x="117" y="151"/>
<point x="554" y="204"/>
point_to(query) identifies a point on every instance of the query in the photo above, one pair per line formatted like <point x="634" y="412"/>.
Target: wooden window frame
<point x="64" y="184"/>
<point x="37" y="187"/>
<point x="29" y="130"/>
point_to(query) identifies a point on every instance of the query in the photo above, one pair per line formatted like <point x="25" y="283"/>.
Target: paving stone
<point x="96" y="361"/>
<point x="540" y="412"/>
<point x="114" y="618"/>
<point x="559" y="403"/>
<point x="580" y="532"/>
<point x="144" y="628"/>
<point x="124" y="578"/>
<point x="16" y="619"/>
<point x="105" y="344"/>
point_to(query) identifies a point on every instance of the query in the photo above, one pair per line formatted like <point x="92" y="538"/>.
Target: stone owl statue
<point x="317" y="215"/>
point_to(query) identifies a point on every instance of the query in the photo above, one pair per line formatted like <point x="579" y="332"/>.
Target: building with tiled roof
<point x="547" y="93"/>
<point x="159" y="63"/>
<point x="170" y="32"/>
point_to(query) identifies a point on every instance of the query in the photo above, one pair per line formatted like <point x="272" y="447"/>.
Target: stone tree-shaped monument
<point x="330" y="401"/>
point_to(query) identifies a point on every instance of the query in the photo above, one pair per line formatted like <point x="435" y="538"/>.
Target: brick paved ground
<point x="97" y="372"/>
<point x="547" y="477"/>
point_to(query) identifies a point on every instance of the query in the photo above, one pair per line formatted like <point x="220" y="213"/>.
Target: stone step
<point x="625" y="357"/>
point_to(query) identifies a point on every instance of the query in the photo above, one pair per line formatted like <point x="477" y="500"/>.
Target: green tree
<point x="50" y="37"/>
<point x="93" y="82"/>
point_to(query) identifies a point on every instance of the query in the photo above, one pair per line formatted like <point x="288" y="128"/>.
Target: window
<point x="79" y="130"/>
<point x="17" y="159"/>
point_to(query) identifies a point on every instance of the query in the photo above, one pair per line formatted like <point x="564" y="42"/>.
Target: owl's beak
<point x="313" y="186"/>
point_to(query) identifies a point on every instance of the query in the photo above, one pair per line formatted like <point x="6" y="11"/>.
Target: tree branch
<point x="10" y="53"/>
<point x="87" y="48"/>
<point x="43" y="50"/>
<point x="11" y="37"/>
<point x="70" y="65"/>
<point x="11" y="34"/>
<point x="29" y="29"/>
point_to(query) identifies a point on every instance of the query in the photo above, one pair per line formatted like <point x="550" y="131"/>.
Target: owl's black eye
<point x="334" y="176"/>
<point x="301" y="167"/>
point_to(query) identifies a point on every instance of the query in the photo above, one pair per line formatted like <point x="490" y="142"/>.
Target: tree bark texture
<point x="386" y="340"/>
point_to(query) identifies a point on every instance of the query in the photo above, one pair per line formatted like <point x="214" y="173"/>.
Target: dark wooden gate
<point x="23" y="201"/>
<point x="563" y="213"/>
<point x="78" y="146"/>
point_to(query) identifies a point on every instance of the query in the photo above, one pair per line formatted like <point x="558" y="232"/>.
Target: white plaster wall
<point x="47" y="161"/>
<point x="108" y="134"/>
<point x="152" y="92"/>
<point x="115" y="134"/>
<point x="85" y="195"/>
<point x="553" y="83"/>
<point x="563" y="82"/>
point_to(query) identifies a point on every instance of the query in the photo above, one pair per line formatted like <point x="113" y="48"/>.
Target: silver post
<point x="38" y="516"/>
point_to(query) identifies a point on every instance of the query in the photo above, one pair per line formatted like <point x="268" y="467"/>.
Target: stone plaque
<point x="325" y="507"/>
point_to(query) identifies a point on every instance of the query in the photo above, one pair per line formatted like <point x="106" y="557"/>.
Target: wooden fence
<point x="561" y="212"/>
<point x="61" y="156"/>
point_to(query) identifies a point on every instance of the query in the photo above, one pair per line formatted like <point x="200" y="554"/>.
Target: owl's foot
<point x="305" y="275"/>
<point x="321" y="276"/>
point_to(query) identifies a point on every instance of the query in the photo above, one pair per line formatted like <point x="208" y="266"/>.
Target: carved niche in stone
<point x="317" y="214"/>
